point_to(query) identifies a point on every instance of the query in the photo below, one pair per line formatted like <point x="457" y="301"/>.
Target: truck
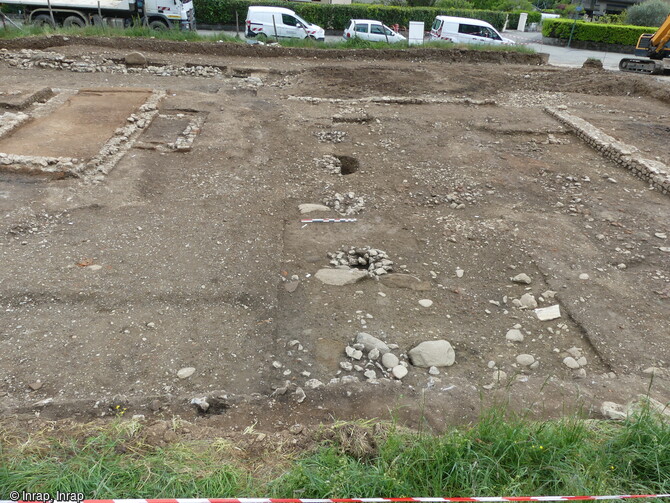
<point x="157" y="14"/>
<point x="654" y="48"/>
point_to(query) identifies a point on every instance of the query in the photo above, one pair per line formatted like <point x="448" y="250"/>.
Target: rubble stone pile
<point x="345" y="204"/>
<point x="375" y="261"/>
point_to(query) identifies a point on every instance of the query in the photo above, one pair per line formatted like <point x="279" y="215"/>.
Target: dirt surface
<point x="78" y="128"/>
<point x="198" y="258"/>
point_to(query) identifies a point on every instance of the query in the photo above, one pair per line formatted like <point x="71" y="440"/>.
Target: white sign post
<point x="523" y="17"/>
<point x="415" y="33"/>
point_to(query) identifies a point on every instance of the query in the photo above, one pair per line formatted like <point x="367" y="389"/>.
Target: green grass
<point x="104" y="31"/>
<point x="190" y="36"/>
<point x="497" y="456"/>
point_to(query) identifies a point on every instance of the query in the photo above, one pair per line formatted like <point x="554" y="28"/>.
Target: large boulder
<point x="340" y="277"/>
<point x="433" y="354"/>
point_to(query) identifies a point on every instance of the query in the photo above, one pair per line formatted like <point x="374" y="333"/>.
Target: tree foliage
<point x="649" y="13"/>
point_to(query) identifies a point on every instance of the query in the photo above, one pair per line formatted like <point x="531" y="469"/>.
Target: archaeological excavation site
<point x="239" y="235"/>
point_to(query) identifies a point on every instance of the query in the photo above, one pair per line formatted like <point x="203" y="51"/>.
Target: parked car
<point x="461" y="30"/>
<point x="278" y="22"/>
<point x="369" y="29"/>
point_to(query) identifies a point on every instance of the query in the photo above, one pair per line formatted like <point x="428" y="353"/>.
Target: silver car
<point x="369" y="29"/>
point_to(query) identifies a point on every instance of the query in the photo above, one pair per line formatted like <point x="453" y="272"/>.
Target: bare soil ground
<point x="198" y="250"/>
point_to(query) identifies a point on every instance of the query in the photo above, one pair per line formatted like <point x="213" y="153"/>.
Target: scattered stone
<point x="202" y="403"/>
<point x="282" y="390"/>
<point x="426" y="302"/>
<point x="525" y="360"/>
<point x="433" y="353"/>
<point x="548" y="313"/>
<point x="612" y="410"/>
<point x="35" y="385"/>
<point x="291" y="286"/>
<point x="570" y="362"/>
<point x="405" y="281"/>
<point x="644" y="403"/>
<point x="522" y="278"/>
<point x="499" y="376"/>
<point x="370" y="342"/>
<point x="575" y="352"/>
<point x="277" y="364"/>
<point x="313" y="383"/>
<point x="136" y="59"/>
<point x="300" y="394"/>
<point x="661" y="235"/>
<point x="374" y="354"/>
<point x="186" y="372"/>
<point x="459" y="273"/>
<point x="583" y="276"/>
<point x="399" y="371"/>
<point x="528" y="301"/>
<point x="349" y="351"/>
<point x="514" y="335"/>
<point x="346" y="366"/>
<point x="370" y="374"/>
<point x="295" y="429"/>
<point x="389" y="360"/>
<point x="549" y="294"/>
<point x="309" y="207"/>
<point x="581" y="361"/>
<point x="434" y="371"/>
<point x="340" y="277"/>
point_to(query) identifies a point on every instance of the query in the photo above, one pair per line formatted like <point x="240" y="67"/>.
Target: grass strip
<point x="191" y="36"/>
<point x="498" y="456"/>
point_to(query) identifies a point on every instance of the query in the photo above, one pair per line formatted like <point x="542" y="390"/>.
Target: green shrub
<point x="649" y="13"/>
<point x="331" y="16"/>
<point x="454" y="4"/>
<point x="594" y="32"/>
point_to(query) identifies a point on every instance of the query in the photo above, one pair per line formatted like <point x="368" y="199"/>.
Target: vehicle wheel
<point x="98" y="20"/>
<point x="262" y="37"/>
<point x="43" y="20"/>
<point x="158" y="25"/>
<point x="311" y="37"/>
<point x="73" y="22"/>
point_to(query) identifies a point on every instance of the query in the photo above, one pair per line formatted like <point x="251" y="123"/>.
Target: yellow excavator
<point x="653" y="47"/>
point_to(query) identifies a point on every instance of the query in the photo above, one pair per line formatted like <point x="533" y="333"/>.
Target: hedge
<point x="331" y="16"/>
<point x="594" y="32"/>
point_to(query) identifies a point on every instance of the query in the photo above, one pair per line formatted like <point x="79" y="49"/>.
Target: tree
<point x="649" y="13"/>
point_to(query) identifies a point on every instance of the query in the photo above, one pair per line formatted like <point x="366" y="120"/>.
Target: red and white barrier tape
<point x="366" y="500"/>
<point x="321" y="220"/>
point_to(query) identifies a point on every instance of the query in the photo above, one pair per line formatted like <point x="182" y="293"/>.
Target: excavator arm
<point x="661" y="37"/>
<point x="652" y="46"/>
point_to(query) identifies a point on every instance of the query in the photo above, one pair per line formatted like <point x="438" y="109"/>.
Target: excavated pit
<point x="78" y="128"/>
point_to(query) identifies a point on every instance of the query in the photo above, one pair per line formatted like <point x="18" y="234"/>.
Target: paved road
<point x="565" y="56"/>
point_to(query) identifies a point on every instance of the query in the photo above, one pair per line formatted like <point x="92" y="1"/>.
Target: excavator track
<point x="648" y="66"/>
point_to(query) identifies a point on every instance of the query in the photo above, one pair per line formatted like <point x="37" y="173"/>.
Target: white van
<point x="278" y="22"/>
<point x="462" y="30"/>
